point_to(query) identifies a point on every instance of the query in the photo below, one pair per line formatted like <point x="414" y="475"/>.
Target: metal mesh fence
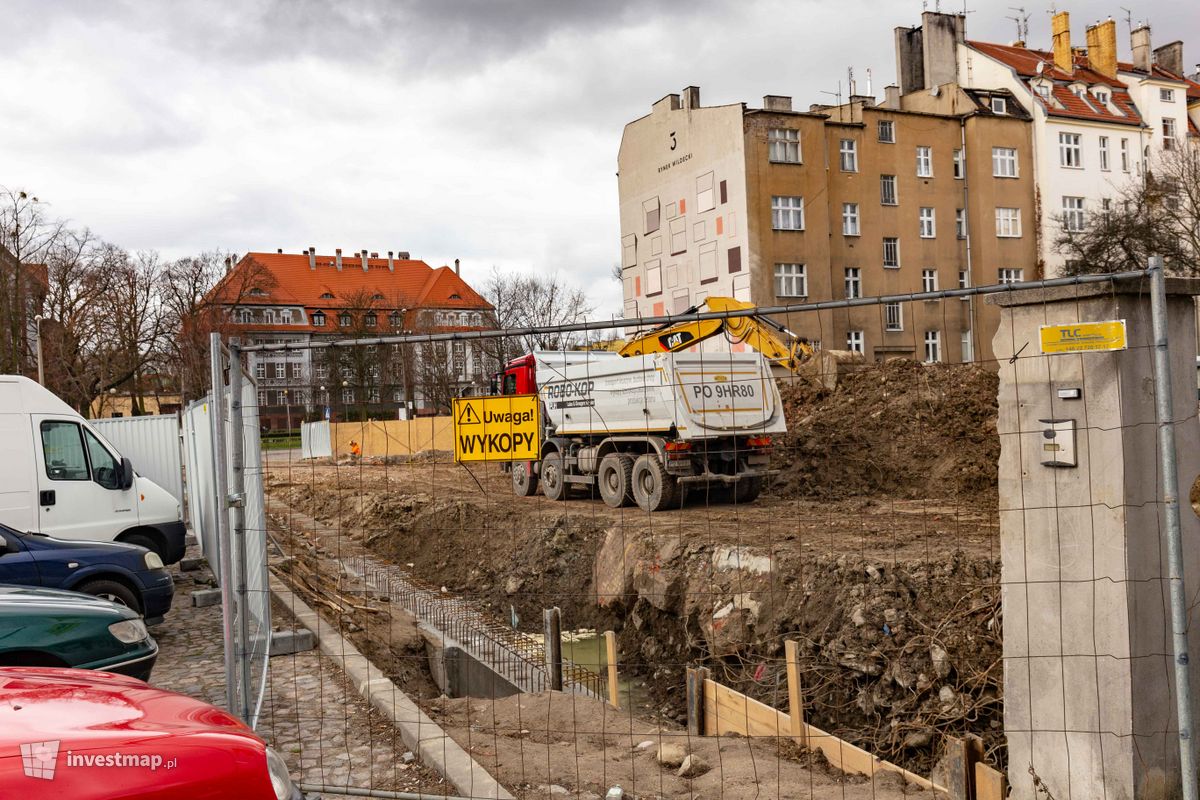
<point x="779" y="583"/>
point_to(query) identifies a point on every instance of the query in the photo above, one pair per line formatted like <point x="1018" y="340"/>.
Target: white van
<point x="60" y="477"/>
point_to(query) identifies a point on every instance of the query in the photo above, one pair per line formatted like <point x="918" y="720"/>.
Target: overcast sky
<point x="474" y="129"/>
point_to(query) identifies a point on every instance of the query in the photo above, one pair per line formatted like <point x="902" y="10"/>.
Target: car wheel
<point x="112" y="591"/>
<point x="653" y="488"/>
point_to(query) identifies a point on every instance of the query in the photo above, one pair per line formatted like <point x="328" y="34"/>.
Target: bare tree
<point x="537" y="302"/>
<point x="27" y="234"/>
<point x="1159" y="215"/>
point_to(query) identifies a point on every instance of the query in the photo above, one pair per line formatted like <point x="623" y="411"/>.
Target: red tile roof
<point x="1024" y="61"/>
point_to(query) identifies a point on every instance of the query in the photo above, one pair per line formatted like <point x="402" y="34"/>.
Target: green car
<point x="54" y="628"/>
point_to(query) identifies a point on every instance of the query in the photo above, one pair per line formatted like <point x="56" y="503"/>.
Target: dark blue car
<point x="123" y="573"/>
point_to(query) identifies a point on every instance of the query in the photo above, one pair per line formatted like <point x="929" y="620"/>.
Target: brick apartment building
<point x="299" y="298"/>
<point x="772" y="205"/>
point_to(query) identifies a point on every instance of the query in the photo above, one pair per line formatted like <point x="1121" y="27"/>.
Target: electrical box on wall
<point x="1058" y="443"/>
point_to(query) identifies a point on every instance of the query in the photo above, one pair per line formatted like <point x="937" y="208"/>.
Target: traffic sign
<point x="497" y="428"/>
<point x="1084" y="337"/>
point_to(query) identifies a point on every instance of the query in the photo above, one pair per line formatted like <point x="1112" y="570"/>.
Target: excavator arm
<point x="757" y="331"/>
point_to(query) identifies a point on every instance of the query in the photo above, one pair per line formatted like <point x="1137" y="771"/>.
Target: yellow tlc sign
<point x="500" y="428"/>
<point x="1084" y="337"/>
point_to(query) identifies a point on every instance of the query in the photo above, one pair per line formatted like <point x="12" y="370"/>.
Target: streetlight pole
<point x="41" y="367"/>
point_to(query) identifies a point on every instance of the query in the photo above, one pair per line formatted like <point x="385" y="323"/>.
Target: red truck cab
<point x="519" y="377"/>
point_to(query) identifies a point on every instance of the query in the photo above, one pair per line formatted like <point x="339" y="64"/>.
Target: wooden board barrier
<point x="610" y="651"/>
<point x="989" y="783"/>
<point x="729" y="711"/>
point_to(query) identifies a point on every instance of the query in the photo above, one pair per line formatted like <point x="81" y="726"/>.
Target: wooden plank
<point x="958" y="779"/>
<point x="791" y="650"/>
<point x="989" y="783"/>
<point x="610" y="648"/>
<point x="747" y="716"/>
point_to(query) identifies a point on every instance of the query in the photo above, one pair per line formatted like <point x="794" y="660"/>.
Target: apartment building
<point x="1097" y="123"/>
<point x="301" y="298"/>
<point x="777" y="206"/>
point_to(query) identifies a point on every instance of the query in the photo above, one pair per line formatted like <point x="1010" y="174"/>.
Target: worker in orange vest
<point x="355" y="450"/>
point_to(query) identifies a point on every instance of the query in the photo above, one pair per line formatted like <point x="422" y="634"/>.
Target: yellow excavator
<point x="757" y="331"/>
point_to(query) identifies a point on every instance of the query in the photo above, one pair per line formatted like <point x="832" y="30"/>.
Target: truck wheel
<point x="653" y="488"/>
<point x="616" y="479"/>
<point x="748" y="490"/>
<point x="524" y="479"/>
<point x="554" y="484"/>
<point x="112" y="591"/>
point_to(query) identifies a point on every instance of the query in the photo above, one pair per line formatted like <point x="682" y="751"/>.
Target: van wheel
<point x="616" y="479"/>
<point x="653" y="488"/>
<point x="148" y="542"/>
<point x="554" y="484"/>
<point x="524" y="479"/>
<point x="112" y="591"/>
<point x="748" y="490"/>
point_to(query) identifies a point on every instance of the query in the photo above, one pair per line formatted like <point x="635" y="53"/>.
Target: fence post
<point x="791" y="650"/>
<point x="554" y="664"/>
<point x="610" y="652"/>
<point x="695" y="700"/>
<point x="1165" y="414"/>
<point x="221" y="488"/>
<point x="237" y="502"/>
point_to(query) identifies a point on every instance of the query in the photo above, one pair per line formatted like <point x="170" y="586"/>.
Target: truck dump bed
<point x="699" y="395"/>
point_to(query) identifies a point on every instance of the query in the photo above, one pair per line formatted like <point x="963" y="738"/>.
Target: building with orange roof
<point x="1098" y="123"/>
<point x="302" y="298"/>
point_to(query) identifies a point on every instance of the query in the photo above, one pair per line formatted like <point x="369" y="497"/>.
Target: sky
<point x="482" y="130"/>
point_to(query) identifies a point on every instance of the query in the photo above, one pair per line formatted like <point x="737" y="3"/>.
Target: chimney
<point x="910" y="60"/>
<point x="228" y="263"/>
<point x="457" y="271"/>
<point x="279" y="250"/>
<point x="1139" y="40"/>
<point x="402" y="255"/>
<point x="691" y="97"/>
<point x="364" y="260"/>
<point x="312" y="258"/>
<point x="338" y="254"/>
<point x="1102" y="47"/>
<point x="777" y="102"/>
<point x="891" y="95"/>
<point x="668" y="103"/>
<point x="391" y="262"/>
<point x="1060" y="30"/>
<point x="942" y="34"/>
<point x="1170" y="57"/>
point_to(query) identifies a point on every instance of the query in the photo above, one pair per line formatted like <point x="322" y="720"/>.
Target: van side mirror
<point x="126" y="473"/>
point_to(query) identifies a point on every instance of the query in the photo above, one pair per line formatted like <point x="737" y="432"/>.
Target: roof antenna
<point x="1128" y="18"/>
<point x="1022" y="20"/>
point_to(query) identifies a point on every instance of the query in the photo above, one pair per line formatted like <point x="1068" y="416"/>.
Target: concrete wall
<point x="1087" y="648"/>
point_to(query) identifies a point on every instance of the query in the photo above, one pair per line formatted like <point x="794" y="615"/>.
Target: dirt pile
<point x="901" y="428"/>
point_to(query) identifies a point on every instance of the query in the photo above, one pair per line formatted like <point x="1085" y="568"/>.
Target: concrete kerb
<point x="421" y="734"/>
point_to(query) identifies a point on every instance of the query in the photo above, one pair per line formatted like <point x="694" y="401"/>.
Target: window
<point x="280" y="370"/>
<point x="964" y="281"/>
<point x="370" y="320"/>
<point x="344" y="320"/>
<point x="297" y="367"/>
<point x="933" y="347"/>
<point x="887" y="131"/>
<point x="887" y="190"/>
<point x="327" y="296"/>
<point x="925" y="162"/>
<point x="1104" y="153"/>
<point x="246" y="316"/>
<point x="653" y="213"/>
<point x="262" y="398"/>
<point x="394" y="319"/>
<point x="706" y="198"/>
<point x="1070" y="153"/>
<point x="1166" y="95"/>
<point x="1004" y="162"/>
<point x="318" y="319"/>
<point x="891" y="252"/>
<point x="1106" y="203"/>
<point x="787" y="213"/>
<point x="893" y="317"/>
<point x="347" y="394"/>
<point x="322" y="371"/>
<point x="1043" y="90"/>
<point x="999" y="105"/>
<point x="1073" y="213"/>
<point x="268" y="316"/>
<point x="853" y="283"/>
<point x="62" y="449"/>
<point x="285" y="316"/>
<point x="260" y="370"/>
<point x="960" y="164"/>
<point x="1101" y="98"/>
<point x="791" y="280"/>
<point x="850" y="219"/>
<point x="1125" y="155"/>
<point x="855" y="342"/>
<point x="105" y="469"/>
<point x="1168" y="129"/>
<point x="927" y="222"/>
<point x="929" y="281"/>
<point x="783" y="145"/>
<point x="1008" y="222"/>
<point x="849" y="155"/>
<point x="1009" y="276"/>
<point x="960" y="223"/>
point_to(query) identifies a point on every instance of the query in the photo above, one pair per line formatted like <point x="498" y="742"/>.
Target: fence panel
<point x="152" y="444"/>
<point x="314" y="440"/>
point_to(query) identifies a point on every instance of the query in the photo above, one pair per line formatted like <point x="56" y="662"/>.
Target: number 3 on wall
<point x="673" y="140"/>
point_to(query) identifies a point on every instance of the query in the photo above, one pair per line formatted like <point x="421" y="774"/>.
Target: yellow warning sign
<point x="1084" y="337"/>
<point x="499" y="428"/>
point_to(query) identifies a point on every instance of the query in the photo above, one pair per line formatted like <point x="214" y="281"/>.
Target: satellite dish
<point x="935" y="91"/>
<point x="1041" y="67"/>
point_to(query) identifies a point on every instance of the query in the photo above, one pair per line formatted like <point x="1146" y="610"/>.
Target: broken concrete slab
<point x="206" y="597"/>
<point x="285" y="643"/>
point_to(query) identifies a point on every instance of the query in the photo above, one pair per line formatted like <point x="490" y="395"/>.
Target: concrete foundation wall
<point x="1087" y="645"/>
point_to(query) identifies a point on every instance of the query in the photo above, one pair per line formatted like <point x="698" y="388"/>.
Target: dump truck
<point x="641" y="429"/>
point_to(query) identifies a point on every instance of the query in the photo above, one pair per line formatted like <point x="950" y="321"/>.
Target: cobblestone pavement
<point x="321" y="726"/>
